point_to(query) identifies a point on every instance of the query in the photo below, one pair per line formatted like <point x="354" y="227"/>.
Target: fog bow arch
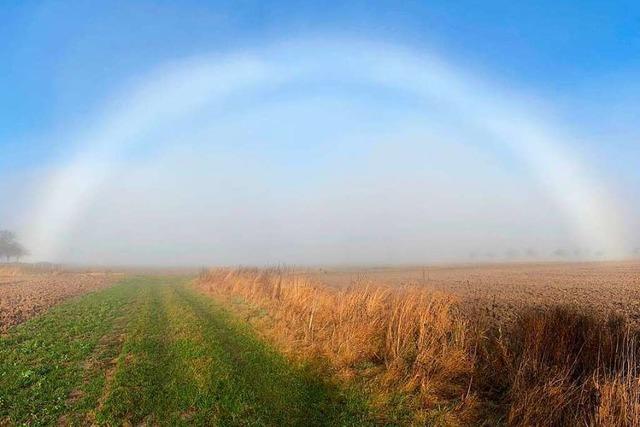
<point x="182" y="88"/>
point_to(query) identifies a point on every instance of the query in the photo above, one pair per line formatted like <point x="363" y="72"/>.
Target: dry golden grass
<point x="412" y="332"/>
<point x="544" y="366"/>
<point x="562" y="366"/>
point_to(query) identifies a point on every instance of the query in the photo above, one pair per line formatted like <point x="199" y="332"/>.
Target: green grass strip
<point x="151" y="351"/>
<point x="42" y="361"/>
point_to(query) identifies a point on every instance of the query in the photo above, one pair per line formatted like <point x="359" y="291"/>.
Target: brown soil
<point x="23" y="296"/>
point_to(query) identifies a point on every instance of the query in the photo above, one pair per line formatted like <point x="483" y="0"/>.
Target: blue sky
<point x="577" y="64"/>
<point x="61" y="58"/>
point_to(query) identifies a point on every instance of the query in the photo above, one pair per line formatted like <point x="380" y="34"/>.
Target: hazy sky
<point x="317" y="132"/>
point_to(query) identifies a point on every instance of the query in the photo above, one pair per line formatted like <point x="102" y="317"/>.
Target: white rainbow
<point x="182" y="88"/>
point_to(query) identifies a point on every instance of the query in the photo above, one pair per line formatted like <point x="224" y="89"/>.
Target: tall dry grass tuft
<point x="563" y="366"/>
<point x="548" y="367"/>
<point x="413" y="335"/>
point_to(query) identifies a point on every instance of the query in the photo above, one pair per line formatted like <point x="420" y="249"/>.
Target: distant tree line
<point x="10" y="247"/>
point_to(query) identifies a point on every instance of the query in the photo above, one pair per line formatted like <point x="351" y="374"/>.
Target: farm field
<point x="445" y="345"/>
<point x="27" y="294"/>
<point x="152" y="351"/>
<point x="509" y="287"/>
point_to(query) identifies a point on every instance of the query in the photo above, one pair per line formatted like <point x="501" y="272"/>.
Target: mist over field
<point x="325" y="149"/>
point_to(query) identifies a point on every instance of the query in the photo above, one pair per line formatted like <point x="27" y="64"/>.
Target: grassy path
<point x="151" y="351"/>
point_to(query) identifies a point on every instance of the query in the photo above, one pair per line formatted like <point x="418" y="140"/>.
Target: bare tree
<point x="17" y="251"/>
<point x="10" y="247"/>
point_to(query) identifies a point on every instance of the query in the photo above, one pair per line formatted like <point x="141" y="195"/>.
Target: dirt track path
<point x="152" y="351"/>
